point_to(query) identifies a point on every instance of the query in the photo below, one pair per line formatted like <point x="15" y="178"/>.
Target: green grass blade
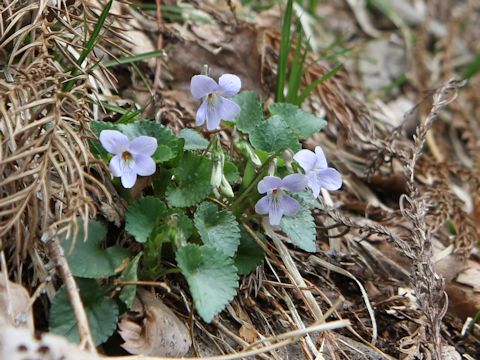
<point x="472" y="68"/>
<point x="308" y="90"/>
<point x="90" y="43"/>
<point x="296" y="74"/>
<point x="134" y="58"/>
<point x="284" y="51"/>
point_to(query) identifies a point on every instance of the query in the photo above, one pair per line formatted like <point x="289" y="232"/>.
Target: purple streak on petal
<point x="144" y="165"/>
<point x="145" y="145"/>
<point x="275" y="211"/>
<point x="313" y="183"/>
<point x="295" y="182"/>
<point x="321" y="159"/>
<point x="213" y="117"/>
<point x="262" y="206"/>
<point x="113" y="141"/>
<point x="329" y="179"/>
<point x="202" y="85"/>
<point x="116" y="165"/>
<point x="229" y="85"/>
<point x="289" y="205"/>
<point x="201" y="114"/>
<point x="269" y="183"/>
<point x="129" y="177"/>
<point x="306" y="159"/>
<point x="228" y="109"/>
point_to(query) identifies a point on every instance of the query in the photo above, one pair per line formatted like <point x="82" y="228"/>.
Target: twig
<point x="63" y="268"/>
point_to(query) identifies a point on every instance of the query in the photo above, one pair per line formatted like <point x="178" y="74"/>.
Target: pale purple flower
<point x="278" y="203"/>
<point x="215" y="105"/>
<point x="131" y="158"/>
<point x="317" y="171"/>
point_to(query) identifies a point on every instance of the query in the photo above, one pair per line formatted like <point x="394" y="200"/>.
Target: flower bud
<point x="225" y="187"/>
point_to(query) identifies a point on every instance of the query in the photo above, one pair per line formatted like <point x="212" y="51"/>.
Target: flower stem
<point x="235" y="207"/>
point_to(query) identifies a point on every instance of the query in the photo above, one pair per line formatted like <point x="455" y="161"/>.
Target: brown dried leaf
<point x="161" y="332"/>
<point x="470" y="276"/>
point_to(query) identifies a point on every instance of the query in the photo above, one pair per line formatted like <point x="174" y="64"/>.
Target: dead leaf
<point x="248" y="334"/>
<point x="470" y="276"/>
<point x="15" y="306"/>
<point x="160" y="333"/>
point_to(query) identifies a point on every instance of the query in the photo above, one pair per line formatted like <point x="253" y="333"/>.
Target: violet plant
<point x="204" y="184"/>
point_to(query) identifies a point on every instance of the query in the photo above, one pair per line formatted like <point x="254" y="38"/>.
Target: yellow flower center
<point x="126" y="156"/>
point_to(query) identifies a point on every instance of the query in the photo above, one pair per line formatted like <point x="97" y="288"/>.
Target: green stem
<point x="236" y="204"/>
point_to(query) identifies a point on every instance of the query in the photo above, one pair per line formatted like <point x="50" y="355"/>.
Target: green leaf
<point x="251" y="113"/>
<point x="192" y="176"/>
<point x="249" y="254"/>
<point x="193" y="140"/>
<point x="168" y="145"/>
<point x="274" y="135"/>
<point x="285" y="43"/>
<point x="231" y="172"/>
<point x="134" y="58"/>
<point x="313" y="85"/>
<point x="127" y="295"/>
<point x="302" y="123"/>
<point x="88" y="258"/>
<point x="211" y="276"/>
<point x="472" y="68"/>
<point x="102" y="313"/>
<point x="217" y="228"/>
<point x="301" y="229"/>
<point x="90" y="44"/>
<point x="142" y="215"/>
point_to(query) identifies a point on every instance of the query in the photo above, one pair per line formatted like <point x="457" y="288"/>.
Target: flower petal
<point x="113" y="141"/>
<point x="321" y="159"/>
<point x="306" y="159"/>
<point x="144" y="165"/>
<point x="294" y="182"/>
<point x="213" y="117"/>
<point x="313" y="183"/>
<point x="229" y="84"/>
<point x="129" y="177"/>
<point x="202" y="85"/>
<point x="201" y="114"/>
<point x="269" y="183"/>
<point x="262" y="206"/>
<point x="145" y="145"/>
<point x="330" y="179"/>
<point x="116" y="165"/>
<point x="228" y="109"/>
<point x="275" y="211"/>
<point x="289" y="205"/>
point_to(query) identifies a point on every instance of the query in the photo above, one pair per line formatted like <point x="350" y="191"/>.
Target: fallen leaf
<point x="470" y="276"/>
<point x="160" y="333"/>
<point x="248" y="334"/>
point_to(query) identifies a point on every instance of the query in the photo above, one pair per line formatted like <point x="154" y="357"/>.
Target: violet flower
<point x="317" y="171"/>
<point x="277" y="203"/>
<point x="215" y="105"/>
<point x="131" y="158"/>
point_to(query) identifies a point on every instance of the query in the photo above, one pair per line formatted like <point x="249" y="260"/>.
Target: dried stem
<point x="429" y="286"/>
<point x="61" y="263"/>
